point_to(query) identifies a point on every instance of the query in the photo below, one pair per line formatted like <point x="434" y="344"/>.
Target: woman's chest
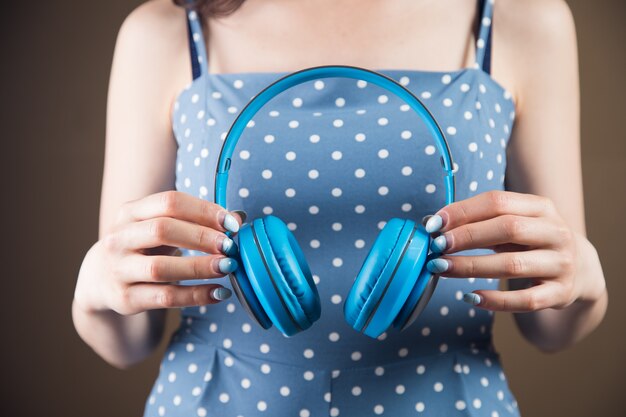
<point x="337" y="150"/>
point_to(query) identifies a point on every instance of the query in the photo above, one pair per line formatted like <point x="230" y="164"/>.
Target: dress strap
<point x="483" y="41"/>
<point x="197" y="49"/>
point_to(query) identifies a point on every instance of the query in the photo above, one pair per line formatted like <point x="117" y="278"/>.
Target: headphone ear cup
<point x="418" y="298"/>
<point x="279" y="275"/>
<point x="387" y="277"/>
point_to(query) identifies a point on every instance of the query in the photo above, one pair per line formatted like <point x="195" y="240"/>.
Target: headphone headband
<point x="314" y="73"/>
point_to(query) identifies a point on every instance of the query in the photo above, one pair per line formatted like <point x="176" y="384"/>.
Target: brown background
<point x="56" y="58"/>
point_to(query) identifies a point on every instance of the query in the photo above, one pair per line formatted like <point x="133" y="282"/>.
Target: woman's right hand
<point x="137" y="264"/>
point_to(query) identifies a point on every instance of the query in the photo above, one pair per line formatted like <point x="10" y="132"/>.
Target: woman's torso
<point x="335" y="159"/>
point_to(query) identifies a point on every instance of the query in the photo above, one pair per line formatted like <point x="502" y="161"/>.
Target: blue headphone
<point x="273" y="281"/>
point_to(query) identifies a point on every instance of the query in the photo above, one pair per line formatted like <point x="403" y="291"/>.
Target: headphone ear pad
<point x="386" y="277"/>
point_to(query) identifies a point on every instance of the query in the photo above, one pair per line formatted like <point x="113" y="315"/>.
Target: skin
<point x="537" y="226"/>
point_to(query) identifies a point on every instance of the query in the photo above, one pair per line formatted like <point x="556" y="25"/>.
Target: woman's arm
<point x="543" y="157"/>
<point x="537" y="226"/>
<point x="139" y="160"/>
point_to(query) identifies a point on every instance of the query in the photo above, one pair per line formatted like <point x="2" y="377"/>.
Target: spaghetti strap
<point x="483" y="42"/>
<point x="197" y="50"/>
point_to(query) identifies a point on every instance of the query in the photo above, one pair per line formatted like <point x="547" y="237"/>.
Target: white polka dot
<point x="314" y="138"/>
<point x="297" y="102"/>
<point x="356" y="390"/>
<point x="451" y="130"/>
<point x="246" y="327"/>
<point x="305" y="413"/>
<point x="224" y="397"/>
<point x="477" y="403"/>
<point x="228" y="343"/>
<point x="359" y="209"/>
<point x="264" y="348"/>
<point x="336" y="226"/>
<point x="443" y="348"/>
<point x="314" y="209"/>
<point x="446" y="79"/>
<point x="308" y="353"/>
<point x="359" y="137"/>
<point x="292" y="226"/>
<point x="438" y="387"/>
<point x="336" y="155"/>
<point x="238" y="84"/>
<point x="379" y="409"/>
<point x="425" y="331"/>
<point x="337" y="262"/>
<point x="313" y="174"/>
<point x="333" y="336"/>
<point x="447" y="102"/>
<point x="192" y="368"/>
<point x="340" y="102"/>
<point x="335" y="299"/>
<point x="383" y="153"/>
<point x="430" y="188"/>
<point x="356" y="356"/>
<point x="245" y="383"/>
<point x="336" y="192"/>
<point x="290" y="156"/>
<point x="406" y="134"/>
<point x="484" y="382"/>
<point x="379" y="371"/>
<point x="473" y="186"/>
<point x="361" y="83"/>
<point x="232" y="109"/>
<point x="426" y="94"/>
<point x="269" y="138"/>
<point x="337" y="122"/>
<point x="171" y="377"/>
<point x="290" y="192"/>
<point x="359" y="173"/>
<point x="243" y="192"/>
<point x="244" y="154"/>
<point x="294" y="124"/>
<point x="420" y="369"/>
<point x="314" y="243"/>
<point x="383" y="190"/>
<point x="190" y="347"/>
<point x="406" y="207"/>
<point x="405" y="107"/>
<point x="267" y="174"/>
<point x="382" y="99"/>
<point x="261" y="406"/>
<point x="285" y="391"/>
<point x="196" y="391"/>
<point x="400" y="389"/>
<point x="383" y="121"/>
<point x="444" y="310"/>
<point x="429" y="150"/>
<point x="419" y="407"/>
<point x="381" y="224"/>
<point x="359" y="243"/>
<point x="460" y="405"/>
<point x="334" y="412"/>
<point x="468" y="115"/>
<point x="201" y="412"/>
<point x="265" y="368"/>
<point x="308" y="375"/>
<point x="403" y="352"/>
<point x="465" y="87"/>
<point x="319" y="84"/>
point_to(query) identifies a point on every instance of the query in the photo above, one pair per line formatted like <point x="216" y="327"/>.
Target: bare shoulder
<point x="530" y="36"/>
<point x="153" y="39"/>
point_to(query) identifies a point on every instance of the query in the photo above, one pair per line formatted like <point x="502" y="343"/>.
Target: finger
<point x="182" y="206"/>
<point x="175" y="268"/>
<point x="529" y="231"/>
<point x="538" y="297"/>
<point x="143" y="296"/>
<point x="173" y="232"/>
<point x="486" y="206"/>
<point x="535" y="263"/>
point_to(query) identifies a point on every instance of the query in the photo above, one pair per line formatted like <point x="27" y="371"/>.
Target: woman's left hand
<point x="531" y="242"/>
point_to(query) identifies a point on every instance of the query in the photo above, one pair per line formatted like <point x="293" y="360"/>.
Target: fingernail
<point x="472" y="298"/>
<point x="438" y="244"/>
<point x="227" y="265"/>
<point x="434" y="224"/>
<point x="230" y="223"/>
<point x="437" y="266"/>
<point x="425" y="219"/>
<point x="221" y="293"/>
<point x="228" y="247"/>
<point x="242" y="214"/>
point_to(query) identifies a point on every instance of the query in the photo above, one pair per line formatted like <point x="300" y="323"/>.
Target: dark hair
<point x="213" y="8"/>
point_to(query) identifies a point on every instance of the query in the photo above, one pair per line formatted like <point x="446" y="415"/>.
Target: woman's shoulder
<point x="530" y="36"/>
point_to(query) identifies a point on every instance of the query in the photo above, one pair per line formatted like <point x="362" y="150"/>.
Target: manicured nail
<point x="227" y="265"/>
<point x="434" y="224"/>
<point x="425" y="219"/>
<point x="230" y="223"/>
<point x="221" y="293"/>
<point x="242" y="214"/>
<point x="228" y="247"/>
<point x="472" y="298"/>
<point x="437" y="266"/>
<point x="438" y="244"/>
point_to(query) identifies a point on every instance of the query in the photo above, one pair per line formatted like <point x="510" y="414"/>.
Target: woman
<point x="335" y="159"/>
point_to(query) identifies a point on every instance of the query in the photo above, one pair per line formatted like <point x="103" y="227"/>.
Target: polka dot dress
<point x="335" y="159"/>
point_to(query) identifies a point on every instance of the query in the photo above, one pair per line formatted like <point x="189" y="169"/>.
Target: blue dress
<point x="334" y="159"/>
